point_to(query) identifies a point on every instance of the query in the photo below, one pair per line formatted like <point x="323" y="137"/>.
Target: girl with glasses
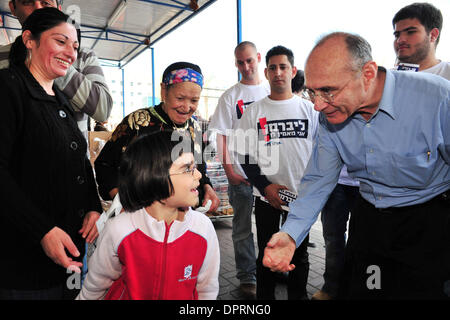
<point x="159" y="248"/>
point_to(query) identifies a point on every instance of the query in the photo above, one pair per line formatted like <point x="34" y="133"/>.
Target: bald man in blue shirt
<point x="392" y="130"/>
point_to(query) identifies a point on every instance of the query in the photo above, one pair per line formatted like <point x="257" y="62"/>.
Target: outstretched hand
<point x="54" y="244"/>
<point x="279" y="252"/>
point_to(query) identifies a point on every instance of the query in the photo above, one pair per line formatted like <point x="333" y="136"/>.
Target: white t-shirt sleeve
<point x="221" y="120"/>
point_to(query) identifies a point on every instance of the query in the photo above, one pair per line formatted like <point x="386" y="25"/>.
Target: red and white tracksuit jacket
<point x="138" y="257"/>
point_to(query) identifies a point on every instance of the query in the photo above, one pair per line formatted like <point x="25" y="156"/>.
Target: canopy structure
<point x="118" y="30"/>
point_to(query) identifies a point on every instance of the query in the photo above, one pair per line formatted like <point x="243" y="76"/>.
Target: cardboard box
<point x="97" y="139"/>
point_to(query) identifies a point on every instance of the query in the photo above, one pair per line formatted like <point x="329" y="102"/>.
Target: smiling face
<point x="412" y="42"/>
<point x="185" y="180"/>
<point x="54" y="52"/>
<point x="180" y="100"/>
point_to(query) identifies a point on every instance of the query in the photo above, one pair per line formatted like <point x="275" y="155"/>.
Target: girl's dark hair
<point x="144" y="170"/>
<point x="37" y="22"/>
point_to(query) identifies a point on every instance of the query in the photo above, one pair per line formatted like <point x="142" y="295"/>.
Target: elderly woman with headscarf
<point x="181" y="87"/>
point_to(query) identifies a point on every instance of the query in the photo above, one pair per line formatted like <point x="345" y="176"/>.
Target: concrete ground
<point x="229" y="284"/>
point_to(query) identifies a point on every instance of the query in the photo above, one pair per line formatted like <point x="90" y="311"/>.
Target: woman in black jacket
<point x="49" y="198"/>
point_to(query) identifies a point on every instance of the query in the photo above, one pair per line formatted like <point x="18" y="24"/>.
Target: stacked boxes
<point x="219" y="180"/>
<point x="216" y="173"/>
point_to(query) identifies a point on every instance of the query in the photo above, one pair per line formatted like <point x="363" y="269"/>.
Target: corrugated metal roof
<point x="117" y="30"/>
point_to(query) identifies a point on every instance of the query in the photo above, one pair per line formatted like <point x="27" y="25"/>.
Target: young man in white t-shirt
<point x="273" y="143"/>
<point x="417" y="30"/>
<point x="229" y="111"/>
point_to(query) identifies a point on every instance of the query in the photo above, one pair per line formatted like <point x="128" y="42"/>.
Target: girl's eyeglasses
<point x="189" y="169"/>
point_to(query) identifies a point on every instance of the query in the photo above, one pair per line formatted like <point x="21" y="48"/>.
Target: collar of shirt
<point x="387" y="99"/>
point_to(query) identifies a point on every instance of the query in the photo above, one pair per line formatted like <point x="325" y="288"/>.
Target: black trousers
<point x="267" y="223"/>
<point x="398" y="253"/>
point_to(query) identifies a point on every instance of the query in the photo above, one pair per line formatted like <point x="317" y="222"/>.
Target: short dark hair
<point x="428" y="15"/>
<point x="180" y="65"/>
<point x="298" y="82"/>
<point x="144" y="170"/>
<point x="280" y="50"/>
<point x="37" y="22"/>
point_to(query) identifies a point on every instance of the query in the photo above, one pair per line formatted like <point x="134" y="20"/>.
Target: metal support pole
<point x="239" y="26"/>
<point x="153" y="77"/>
<point x="123" y="92"/>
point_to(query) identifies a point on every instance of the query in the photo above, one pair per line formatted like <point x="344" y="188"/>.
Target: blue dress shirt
<point x="400" y="156"/>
